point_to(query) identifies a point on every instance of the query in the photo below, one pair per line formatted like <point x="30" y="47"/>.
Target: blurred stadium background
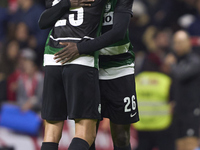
<point x="21" y="74"/>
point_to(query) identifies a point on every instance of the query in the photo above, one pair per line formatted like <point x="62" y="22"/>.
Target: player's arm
<point x="121" y="21"/>
<point x="51" y="15"/>
<point x="117" y="33"/>
<point x="185" y="71"/>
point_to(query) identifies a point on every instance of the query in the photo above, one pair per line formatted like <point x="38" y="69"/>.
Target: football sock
<point x="49" y="146"/>
<point x="78" y="144"/>
<point x="123" y="148"/>
<point x="92" y="147"/>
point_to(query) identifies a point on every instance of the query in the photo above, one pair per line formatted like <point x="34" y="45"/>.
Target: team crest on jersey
<point x="108" y="7"/>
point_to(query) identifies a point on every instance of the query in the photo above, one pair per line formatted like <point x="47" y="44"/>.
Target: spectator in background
<point x="180" y="8"/>
<point x="157" y="42"/>
<point x="2" y="89"/>
<point x="12" y="5"/>
<point x="153" y="92"/>
<point x="29" y="13"/>
<point x="184" y="66"/>
<point x="30" y="83"/>
<point x="23" y="37"/>
<point x="138" y="25"/>
<point x="2" y="84"/>
<point x="158" y="11"/>
<point x="194" y="28"/>
<point x="9" y="58"/>
<point x="9" y="67"/>
<point x="3" y="21"/>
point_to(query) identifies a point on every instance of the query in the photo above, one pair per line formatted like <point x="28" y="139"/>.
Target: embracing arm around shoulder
<point x="121" y="19"/>
<point x="51" y="15"/>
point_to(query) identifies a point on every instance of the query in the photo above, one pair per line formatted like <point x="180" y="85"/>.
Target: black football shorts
<point x="71" y="91"/>
<point x="186" y="125"/>
<point x="119" y="100"/>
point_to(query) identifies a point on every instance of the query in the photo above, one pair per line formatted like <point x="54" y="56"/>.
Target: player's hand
<point x="170" y="59"/>
<point x="81" y="3"/>
<point x="68" y="53"/>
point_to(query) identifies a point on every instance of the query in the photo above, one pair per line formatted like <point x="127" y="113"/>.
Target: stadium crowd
<point x="157" y="45"/>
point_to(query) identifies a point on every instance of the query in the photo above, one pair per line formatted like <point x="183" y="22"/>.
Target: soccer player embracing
<point x="116" y="73"/>
<point x="71" y="90"/>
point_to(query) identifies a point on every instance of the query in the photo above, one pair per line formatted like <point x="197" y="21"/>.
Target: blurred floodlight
<point x="186" y="20"/>
<point x="28" y="53"/>
<point x="138" y="8"/>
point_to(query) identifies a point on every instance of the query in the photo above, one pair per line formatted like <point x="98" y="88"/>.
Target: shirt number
<point x="129" y="101"/>
<point x="76" y="20"/>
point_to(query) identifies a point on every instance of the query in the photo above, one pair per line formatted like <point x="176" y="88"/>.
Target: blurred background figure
<point x="184" y="67"/>
<point x="23" y="36"/>
<point x="155" y="128"/>
<point x="3" y="22"/>
<point x="30" y="83"/>
<point x="194" y="29"/>
<point x="157" y="42"/>
<point x="138" y="25"/>
<point x="158" y="11"/>
<point x="9" y="70"/>
<point x="28" y="12"/>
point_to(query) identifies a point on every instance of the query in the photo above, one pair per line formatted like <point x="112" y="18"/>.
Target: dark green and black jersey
<point x="120" y="47"/>
<point x="76" y="25"/>
<point x="117" y="59"/>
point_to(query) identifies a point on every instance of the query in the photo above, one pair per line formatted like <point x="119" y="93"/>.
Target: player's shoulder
<point x="124" y="6"/>
<point x="124" y="2"/>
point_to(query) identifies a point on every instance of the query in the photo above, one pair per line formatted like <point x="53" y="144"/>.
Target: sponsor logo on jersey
<point x="108" y="7"/>
<point x="108" y="19"/>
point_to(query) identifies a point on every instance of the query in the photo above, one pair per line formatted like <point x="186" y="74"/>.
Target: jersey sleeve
<point x="124" y="6"/>
<point x="116" y="34"/>
<point x="51" y="15"/>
